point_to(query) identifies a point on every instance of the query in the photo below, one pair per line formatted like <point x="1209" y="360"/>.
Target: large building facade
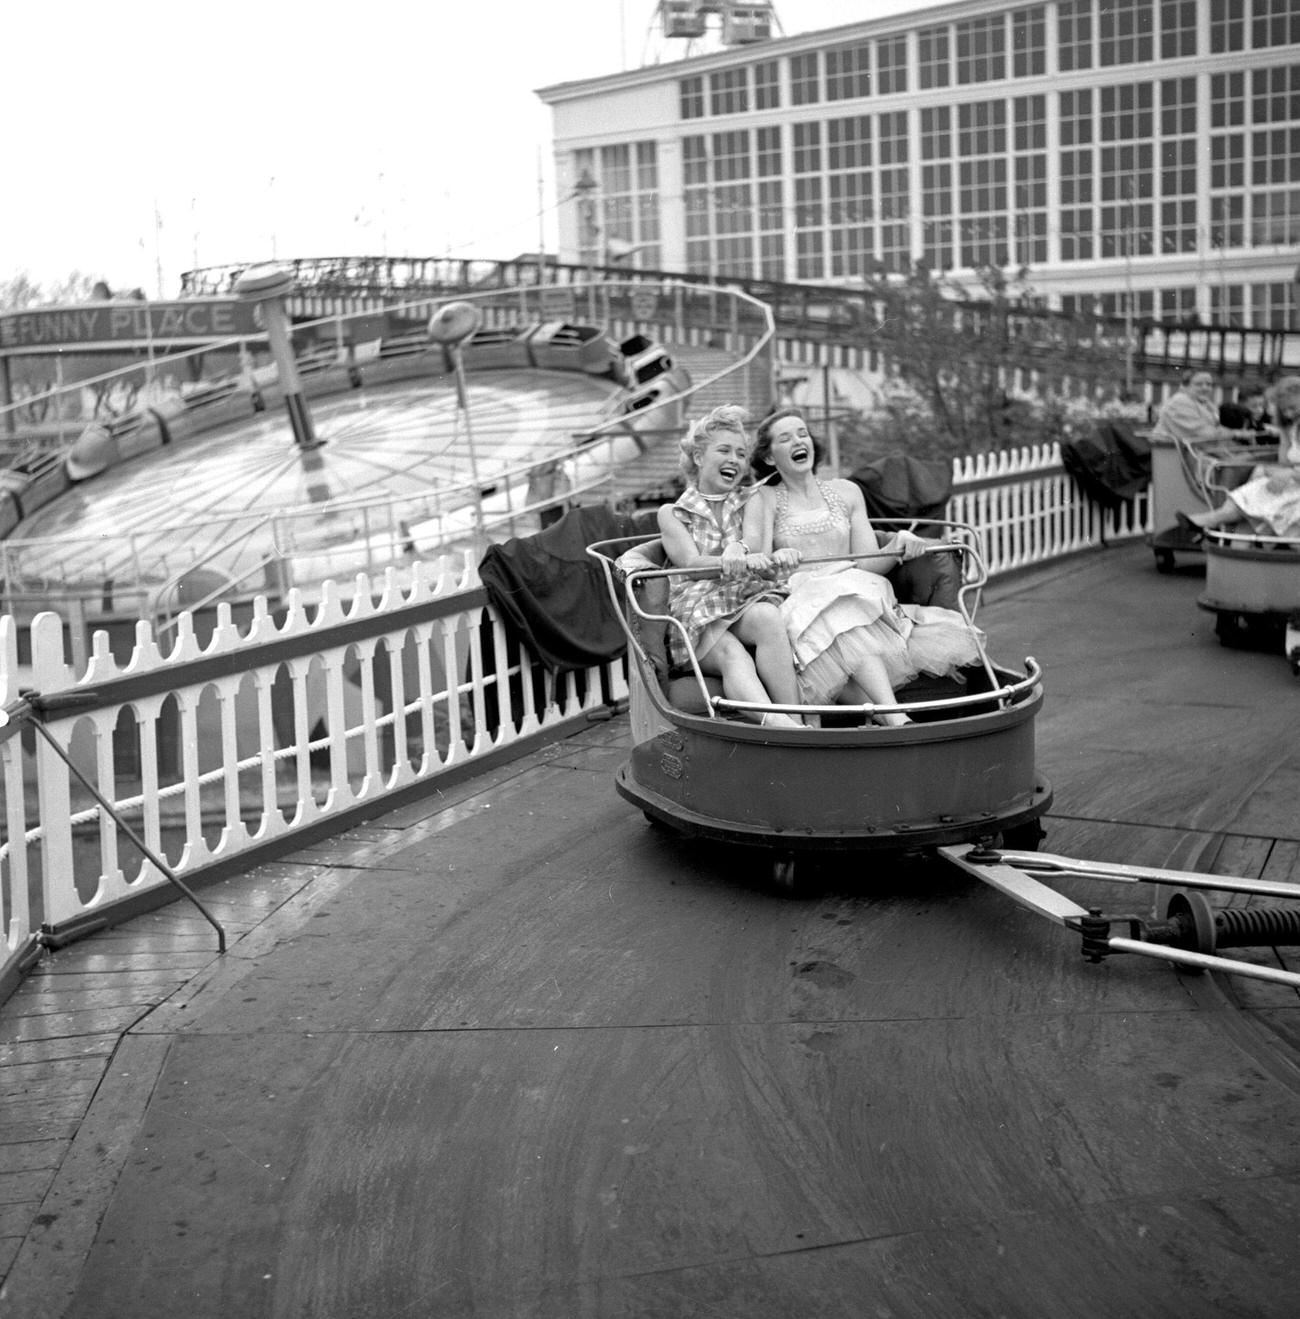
<point x="1138" y="155"/>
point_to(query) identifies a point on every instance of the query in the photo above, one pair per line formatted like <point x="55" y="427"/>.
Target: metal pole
<point x="1128" y="294"/>
<point x="462" y="405"/>
<point x="541" y="223"/>
<point x="162" y="866"/>
<point x="832" y="439"/>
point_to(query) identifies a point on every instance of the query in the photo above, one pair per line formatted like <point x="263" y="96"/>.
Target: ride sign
<point x="193" y="321"/>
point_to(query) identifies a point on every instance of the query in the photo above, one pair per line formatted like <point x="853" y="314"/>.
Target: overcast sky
<point x="253" y="130"/>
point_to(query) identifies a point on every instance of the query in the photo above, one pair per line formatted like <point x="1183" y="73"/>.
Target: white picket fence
<point x="264" y="734"/>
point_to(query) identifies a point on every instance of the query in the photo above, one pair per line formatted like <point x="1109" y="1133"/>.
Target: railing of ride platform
<point x="227" y="744"/>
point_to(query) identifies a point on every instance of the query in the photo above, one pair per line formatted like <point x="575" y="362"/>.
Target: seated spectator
<point x="1248" y="415"/>
<point x="1189" y="415"/>
<point x="1269" y="502"/>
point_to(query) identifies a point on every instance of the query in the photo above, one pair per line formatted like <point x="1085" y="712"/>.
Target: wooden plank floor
<point x="514" y="1053"/>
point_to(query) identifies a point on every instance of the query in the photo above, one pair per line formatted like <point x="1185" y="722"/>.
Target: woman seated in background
<point x="1189" y="414"/>
<point x="844" y="622"/>
<point x="1269" y="502"/>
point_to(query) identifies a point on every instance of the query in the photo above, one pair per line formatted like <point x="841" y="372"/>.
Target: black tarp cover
<point x="1112" y="465"/>
<point x="551" y="593"/>
<point x="899" y="486"/>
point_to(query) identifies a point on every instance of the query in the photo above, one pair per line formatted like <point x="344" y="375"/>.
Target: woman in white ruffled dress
<point x="844" y="621"/>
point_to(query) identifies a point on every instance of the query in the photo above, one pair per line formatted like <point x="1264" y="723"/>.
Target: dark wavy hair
<point x="761" y="461"/>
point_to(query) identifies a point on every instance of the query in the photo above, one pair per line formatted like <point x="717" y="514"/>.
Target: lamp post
<point x="450" y="326"/>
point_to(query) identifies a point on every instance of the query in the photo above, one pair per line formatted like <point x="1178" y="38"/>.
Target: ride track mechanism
<point x="1189" y="931"/>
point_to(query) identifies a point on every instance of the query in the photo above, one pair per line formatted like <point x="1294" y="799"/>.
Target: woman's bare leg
<point x="1223" y="516"/>
<point x="728" y="659"/>
<point x="872" y="676"/>
<point x="762" y="627"/>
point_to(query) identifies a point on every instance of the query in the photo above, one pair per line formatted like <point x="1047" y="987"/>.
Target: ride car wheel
<point x="1025" y="837"/>
<point x="783" y="873"/>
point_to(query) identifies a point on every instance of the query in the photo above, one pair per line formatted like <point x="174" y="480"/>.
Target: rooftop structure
<point x="1136" y="156"/>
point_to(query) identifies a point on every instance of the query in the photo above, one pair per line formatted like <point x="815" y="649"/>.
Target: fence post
<point x="53" y="791"/>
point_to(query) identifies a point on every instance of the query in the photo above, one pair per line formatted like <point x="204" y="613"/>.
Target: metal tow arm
<point x="1188" y="933"/>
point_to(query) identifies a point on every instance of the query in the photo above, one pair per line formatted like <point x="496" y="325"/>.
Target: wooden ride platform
<point x="513" y="1052"/>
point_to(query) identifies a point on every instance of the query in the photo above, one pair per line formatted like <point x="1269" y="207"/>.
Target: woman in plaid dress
<point x="723" y="616"/>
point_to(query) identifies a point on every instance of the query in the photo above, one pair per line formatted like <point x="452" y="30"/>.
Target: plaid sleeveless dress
<point x="707" y="609"/>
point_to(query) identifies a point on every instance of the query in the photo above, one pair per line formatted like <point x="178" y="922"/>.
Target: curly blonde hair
<point x="726" y="417"/>
<point x="1284" y="399"/>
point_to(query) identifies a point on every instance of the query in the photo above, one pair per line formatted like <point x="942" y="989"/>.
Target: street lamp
<point x="450" y="326"/>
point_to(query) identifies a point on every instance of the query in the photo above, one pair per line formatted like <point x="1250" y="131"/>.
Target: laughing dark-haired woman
<point x="844" y="622"/>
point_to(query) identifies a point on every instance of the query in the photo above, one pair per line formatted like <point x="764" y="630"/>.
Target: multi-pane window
<point x="1077" y="216"/>
<point x="1029" y="196"/>
<point x="936" y="187"/>
<point x="1074" y="26"/>
<point x="617" y="206"/>
<point x="1273" y="306"/>
<point x="849" y="181"/>
<point x="771" y="202"/>
<point x="1125" y="170"/>
<point x="624" y="207"/>
<point x="982" y="49"/>
<point x="1227" y="161"/>
<point x="647" y="233"/>
<point x="733" y="204"/>
<point x="1141" y="302"/>
<point x="1275" y="220"/>
<point x="1124" y="32"/>
<point x="1177" y="28"/>
<point x="1028" y="42"/>
<point x="805" y="78"/>
<point x="1227" y="223"/>
<point x="767" y="85"/>
<point x="982" y="182"/>
<point x="848" y="72"/>
<point x="1178" y="305"/>
<point x="1078" y="304"/>
<point x="932" y="57"/>
<point x="1178" y="225"/>
<point x="1227" y="25"/>
<point x="1274" y="23"/>
<point x="895" y="191"/>
<point x="1275" y="94"/>
<point x="729" y="91"/>
<point x="690" y="94"/>
<point x="1273" y="152"/>
<point x="718" y="194"/>
<point x="1227" y="303"/>
<point x="809" y="208"/>
<point x="695" y="203"/>
<point x="1266" y="306"/>
<point x="891" y="65"/>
